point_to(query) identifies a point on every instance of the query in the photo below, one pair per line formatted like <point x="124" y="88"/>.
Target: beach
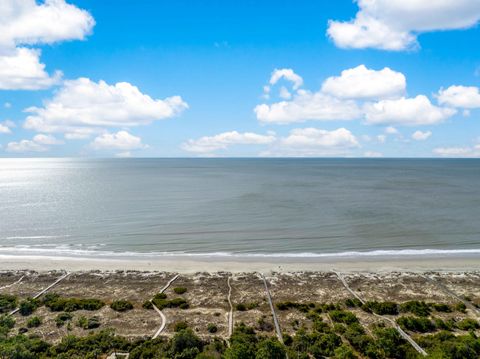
<point x="189" y="264"/>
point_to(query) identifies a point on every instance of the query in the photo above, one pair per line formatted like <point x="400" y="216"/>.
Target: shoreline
<point x="188" y="264"/>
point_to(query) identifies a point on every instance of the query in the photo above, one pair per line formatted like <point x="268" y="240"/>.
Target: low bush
<point x="381" y="308"/>
<point x="58" y="304"/>
<point x="341" y="316"/>
<point x="353" y="303"/>
<point x="468" y="324"/>
<point x="212" y="328"/>
<point x="419" y="325"/>
<point x="441" y="307"/>
<point x="34" y="322"/>
<point x="121" y="305"/>
<point x="28" y="306"/>
<point x="180" y="326"/>
<point x="180" y="290"/>
<point x="302" y="307"/>
<point x="7" y="303"/>
<point x="88" y="323"/>
<point x="62" y="318"/>
<point x="416" y="307"/>
<point x="172" y="303"/>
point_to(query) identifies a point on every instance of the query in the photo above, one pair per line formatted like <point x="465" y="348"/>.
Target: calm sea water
<point x="299" y="207"/>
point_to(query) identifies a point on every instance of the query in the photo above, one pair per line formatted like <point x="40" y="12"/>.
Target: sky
<point x="368" y="78"/>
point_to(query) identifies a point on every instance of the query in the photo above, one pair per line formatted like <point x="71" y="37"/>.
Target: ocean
<point x="239" y="207"/>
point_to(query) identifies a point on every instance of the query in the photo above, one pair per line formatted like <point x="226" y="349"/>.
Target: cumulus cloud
<point x="306" y="105"/>
<point x="377" y="96"/>
<point x="395" y="24"/>
<point x="391" y="130"/>
<point x="25" y="146"/>
<point x="21" y="69"/>
<point x="4" y="129"/>
<point x="306" y="142"/>
<point x="287" y="74"/>
<point x="458" y="151"/>
<point x="421" y="136"/>
<point x="209" y="144"/>
<point x="122" y="141"/>
<point x="406" y="111"/>
<point x="26" y="22"/>
<point x="363" y="83"/>
<point x="47" y="140"/>
<point x="460" y="96"/>
<point x="39" y="143"/>
<point x="372" y="154"/>
<point x="83" y="107"/>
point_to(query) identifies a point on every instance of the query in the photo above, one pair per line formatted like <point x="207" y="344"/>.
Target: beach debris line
<point x="162" y="316"/>
<point x="407" y="337"/>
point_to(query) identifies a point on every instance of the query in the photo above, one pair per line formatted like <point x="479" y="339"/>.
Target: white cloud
<point x="382" y="138"/>
<point x="7" y="105"/>
<point x="47" y="140"/>
<point x="4" y="129"/>
<point x="126" y="154"/>
<point x="363" y="83"/>
<point x="421" y="136"/>
<point x="287" y="74"/>
<point x="82" y="107"/>
<point x="406" y="111"/>
<point x="307" y="106"/>
<point x="458" y="151"/>
<point x="39" y="143"/>
<point x="21" y="70"/>
<point x="209" y="144"/>
<point x="122" y="140"/>
<point x="26" y="22"/>
<point x="372" y="154"/>
<point x="460" y="96"/>
<point x="306" y="142"/>
<point x="25" y="146"/>
<point x="284" y="93"/>
<point x="391" y="130"/>
<point x="394" y="24"/>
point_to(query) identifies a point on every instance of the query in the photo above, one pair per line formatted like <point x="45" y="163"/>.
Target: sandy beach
<point x="188" y="264"/>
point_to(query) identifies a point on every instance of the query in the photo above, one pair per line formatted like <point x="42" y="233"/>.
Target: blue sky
<point x="416" y="94"/>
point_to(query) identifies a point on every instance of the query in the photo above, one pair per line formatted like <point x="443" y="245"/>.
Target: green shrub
<point x="7" y="303"/>
<point x="180" y="290"/>
<point x="6" y="324"/>
<point x="62" y="318"/>
<point x="212" y="328"/>
<point x="353" y="303"/>
<point x="302" y="307"/>
<point x="420" y="325"/>
<point x="58" y="304"/>
<point x="34" y="322"/>
<point x="461" y="307"/>
<point x="88" y="323"/>
<point x="147" y="305"/>
<point x="121" y="305"/>
<point x="173" y="303"/>
<point x="468" y="324"/>
<point x="241" y="307"/>
<point x="341" y="316"/>
<point x="180" y="326"/>
<point x="28" y="306"/>
<point x="381" y="308"/>
<point x="270" y="349"/>
<point x="416" y="307"/>
<point x="441" y="307"/>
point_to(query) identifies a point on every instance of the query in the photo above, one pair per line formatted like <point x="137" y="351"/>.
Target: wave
<point x="93" y="252"/>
